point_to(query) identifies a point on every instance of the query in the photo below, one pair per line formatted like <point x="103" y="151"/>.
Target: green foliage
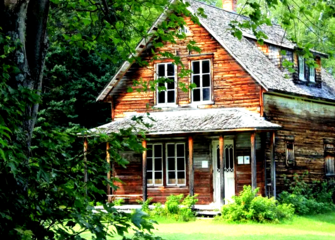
<point x="145" y="204"/>
<point x="313" y="198"/>
<point x="250" y="207"/>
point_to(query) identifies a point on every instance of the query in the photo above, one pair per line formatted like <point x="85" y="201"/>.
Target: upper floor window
<point x="201" y="76"/>
<point x="166" y="92"/>
<point x="306" y="73"/>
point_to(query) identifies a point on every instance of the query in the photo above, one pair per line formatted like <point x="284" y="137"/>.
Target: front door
<point x="228" y="154"/>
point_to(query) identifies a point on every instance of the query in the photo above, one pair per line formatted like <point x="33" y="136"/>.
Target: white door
<point x="228" y="171"/>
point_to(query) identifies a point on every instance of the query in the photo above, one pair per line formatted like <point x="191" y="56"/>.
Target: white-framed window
<point x="311" y="74"/>
<point x="155" y="164"/>
<point x="175" y="164"/>
<point x="306" y="73"/>
<point x="301" y="68"/>
<point x="201" y="76"/>
<point x="167" y="95"/>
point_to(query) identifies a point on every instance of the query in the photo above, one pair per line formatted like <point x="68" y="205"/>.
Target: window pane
<point x="149" y="178"/>
<point x="195" y="67"/>
<point x="170" y="84"/>
<point x="158" y="164"/>
<point x="226" y="159"/>
<point x="180" y="150"/>
<point x="172" y="178"/>
<point x="170" y="69"/>
<point x="158" y="150"/>
<point x="206" y="81"/>
<point x="171" y="98"/>
<point x="158" y="178"/>
<point x="161" y="84"/>
<point x="171" y="164"/>
<point x="161" y="97"/>
<point x="149" y="151"/>
<point x="205" y="67"/>
<point x="181" y="178"/>
<point x="196" y="80"/>
<point x="161" y="70"/>
<point x="196" y="95"/>
<point x="149" y="164"/>
<point x="206" y="94"/>
<point x="231" y="158"/>
<point x="218" y="157"/>
<point x="170" y="150"/>
<point x="180" y="164"/>
<point x="330" y="165"/>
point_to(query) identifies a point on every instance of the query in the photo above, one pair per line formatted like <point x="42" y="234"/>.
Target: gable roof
<point x="197" y="121"/>
<point x="244" y="52"/>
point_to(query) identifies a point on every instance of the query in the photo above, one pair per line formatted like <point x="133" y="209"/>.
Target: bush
<point x="176" y="206"/>
<point x="249" y="207"/>
<point x="313" y="198"/>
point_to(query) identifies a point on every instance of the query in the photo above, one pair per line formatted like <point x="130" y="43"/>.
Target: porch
<point x="212" y="153"/>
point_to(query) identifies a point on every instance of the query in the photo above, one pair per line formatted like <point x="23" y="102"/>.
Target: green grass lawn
<point x="300" y="228"/>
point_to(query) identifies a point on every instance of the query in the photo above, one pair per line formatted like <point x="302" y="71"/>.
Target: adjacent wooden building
<point x="248" y="121"/>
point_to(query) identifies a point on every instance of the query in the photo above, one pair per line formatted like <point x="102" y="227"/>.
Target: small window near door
<point x="155" y="165"/>
<point x="175" y="164"/>
<point x="290" y="159"/>
<point x="329" y="159"/>
<point x="201" y="77"/>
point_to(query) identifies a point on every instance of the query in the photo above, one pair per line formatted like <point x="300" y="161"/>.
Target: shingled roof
<point x="197" y="121"/>
<point x="246" y="54"/>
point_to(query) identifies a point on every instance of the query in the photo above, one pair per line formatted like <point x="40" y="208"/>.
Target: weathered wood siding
<point x="232" y="86"/>
<point x="243" y="171"/>
<point x="309" y="123"/>
<point x="131" y="176"/>
<point x="203" y="177"/>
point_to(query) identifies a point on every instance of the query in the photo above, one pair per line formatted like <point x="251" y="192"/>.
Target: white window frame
<point x="167" y="90"/>
<point x="201" y="82"/>
<point x="312" y="76"/>
<point x="151" y="146"/>
<point x="301" y="63"/>
<point x="175" y="159"/>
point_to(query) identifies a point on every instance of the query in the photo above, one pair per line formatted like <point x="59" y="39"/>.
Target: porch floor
<point x="201" y="210"/>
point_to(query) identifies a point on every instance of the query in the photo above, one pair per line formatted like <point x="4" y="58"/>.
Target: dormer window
<point x="166" y="91"/>
<point x="306" y="73"/>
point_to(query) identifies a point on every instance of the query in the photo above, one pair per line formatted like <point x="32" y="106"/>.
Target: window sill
<point x="197" y="104"/>
<point x="168" y="186"/>
<point x="165" y="106"/>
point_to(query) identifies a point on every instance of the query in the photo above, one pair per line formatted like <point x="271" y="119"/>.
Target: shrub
<point x="249" y="207"/>
<point x="313" y="198"/>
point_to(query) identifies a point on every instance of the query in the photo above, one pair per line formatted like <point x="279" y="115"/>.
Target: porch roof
<point x="186" y="121"/>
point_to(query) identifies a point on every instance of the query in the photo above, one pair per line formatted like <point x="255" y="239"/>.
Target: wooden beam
<point x="85" y="162"/>
<point x="222" y="167"/>
<point x="273" y="164"/>
<point x="144" y="171"/>
<point x="190" y="165"/>
<point x="263" y="148"/>
<point x="253" y="161"/>
<point x="108" y="159"/>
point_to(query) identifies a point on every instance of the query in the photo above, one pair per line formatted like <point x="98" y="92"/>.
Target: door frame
<point x="216" y="190"/>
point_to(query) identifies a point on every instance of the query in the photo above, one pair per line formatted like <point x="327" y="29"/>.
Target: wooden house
<point x="248" y="121"/>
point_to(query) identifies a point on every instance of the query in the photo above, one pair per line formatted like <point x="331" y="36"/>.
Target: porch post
<point x="108" y="159"/>
<point x="263" y="147"/>
<point x="222" y="167"/>
<point x="253" y="161"/>
<point x="190" y="165"/>
<point x="85" y="162"/>
<point x="144" y="171"/>
<point x="273" y="164"/>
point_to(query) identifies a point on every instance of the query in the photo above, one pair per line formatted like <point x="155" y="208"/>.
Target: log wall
<point x="232" y="86"/>
<point x="309" y="123"/>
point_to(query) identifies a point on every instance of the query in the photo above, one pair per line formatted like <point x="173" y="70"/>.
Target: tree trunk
<point x="25" y="22"/>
